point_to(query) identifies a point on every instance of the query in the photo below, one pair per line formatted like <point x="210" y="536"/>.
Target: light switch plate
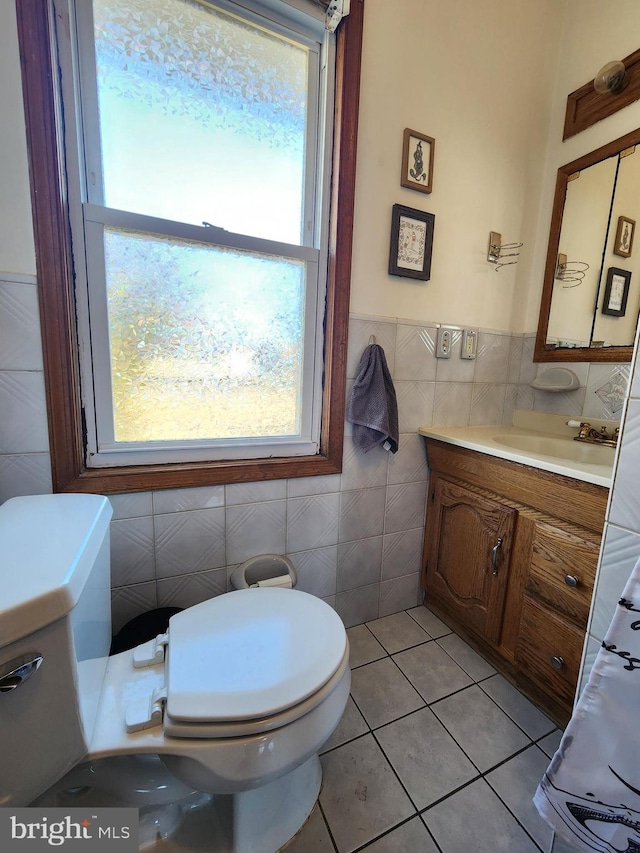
<point x="469" y="347"/>
<point x="444" y="342"/>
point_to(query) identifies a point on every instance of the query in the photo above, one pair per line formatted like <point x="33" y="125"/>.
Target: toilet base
<point x="264" y="819"/>
<point x="261" y="820"/>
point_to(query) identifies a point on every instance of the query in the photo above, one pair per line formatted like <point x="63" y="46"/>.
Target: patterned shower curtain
<point x="590" y="793"/>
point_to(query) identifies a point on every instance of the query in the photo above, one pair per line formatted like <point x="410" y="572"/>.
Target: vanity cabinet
<point x="469" y="538"/>
<point x="509" y="560"/>
<point x="556" y="604"/>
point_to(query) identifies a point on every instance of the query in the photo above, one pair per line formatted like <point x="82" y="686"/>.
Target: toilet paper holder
<point x="264" y="570"/>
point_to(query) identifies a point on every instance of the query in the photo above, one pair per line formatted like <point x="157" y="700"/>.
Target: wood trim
<point x="520" y="559"/>
<point x="461" y="533"/>
<point x="522" y="490"/>
<point x="544" y="634"/>
<point x="56" y="284"/>
<point x="543" y="352"/>
<point x="348" y="68"/>
<point x="54" y="270"/>
<point x="552" y="517"/>
<point x="585" y="106"/>
<point x="552" y="495"/>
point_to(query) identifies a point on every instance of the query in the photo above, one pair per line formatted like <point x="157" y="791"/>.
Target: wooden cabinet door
<point x="467" y="551"/>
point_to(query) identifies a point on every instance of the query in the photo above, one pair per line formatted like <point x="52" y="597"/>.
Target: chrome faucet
<point x="593" y="436"/>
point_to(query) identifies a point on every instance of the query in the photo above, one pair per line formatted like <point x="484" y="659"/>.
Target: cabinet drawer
<point x="546" y="639"/>
<point x="562" y="571"/>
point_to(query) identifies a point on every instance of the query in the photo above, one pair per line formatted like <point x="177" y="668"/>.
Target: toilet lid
<point x="250" y="653"/>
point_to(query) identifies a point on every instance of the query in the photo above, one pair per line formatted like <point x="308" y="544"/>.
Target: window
<point x="217" y="318"/>
<point x="199" y="244"/>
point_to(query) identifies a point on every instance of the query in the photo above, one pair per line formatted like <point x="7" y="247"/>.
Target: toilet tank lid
<point x="48" y="545"/>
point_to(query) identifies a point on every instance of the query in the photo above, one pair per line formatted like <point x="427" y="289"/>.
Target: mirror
<point x="591" y="293"/>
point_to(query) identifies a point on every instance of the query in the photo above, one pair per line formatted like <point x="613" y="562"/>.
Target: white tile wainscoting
<point x="25" y="467"/>
<point x="355" y="538"/>
<point x="621" y="540"/>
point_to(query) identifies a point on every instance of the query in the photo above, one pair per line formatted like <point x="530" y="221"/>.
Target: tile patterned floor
<point x="435" y="753"/>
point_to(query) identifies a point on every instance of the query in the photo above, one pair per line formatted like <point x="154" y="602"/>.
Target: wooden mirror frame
<point x="542" y="350"/>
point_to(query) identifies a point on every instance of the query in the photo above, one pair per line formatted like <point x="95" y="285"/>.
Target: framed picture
<point x="417" y="161"/>
<point x="616" y="292"/>
<point x="624" y="237"/>
<point x="411" y="242"/>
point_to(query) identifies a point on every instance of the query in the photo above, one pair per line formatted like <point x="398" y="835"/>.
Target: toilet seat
<point x="238" y="665"/>
<point x="250" y="654"/>
<point x="262" y="725"/>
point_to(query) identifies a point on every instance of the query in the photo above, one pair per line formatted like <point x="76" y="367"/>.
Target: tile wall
<point x="25" y="467"/>
<point x="621" y="541"/>
<point x="356" y="537"/>
<point x="620" y="549"/>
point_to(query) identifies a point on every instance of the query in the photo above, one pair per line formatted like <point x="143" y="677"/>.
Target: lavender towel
<point x="373" y="408"/>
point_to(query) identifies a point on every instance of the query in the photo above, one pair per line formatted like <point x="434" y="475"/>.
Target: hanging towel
<point x="373" y="408"/>
<point x="590" y="793"/>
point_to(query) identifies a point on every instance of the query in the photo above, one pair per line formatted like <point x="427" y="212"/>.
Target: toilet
<point x="221" y="718"/>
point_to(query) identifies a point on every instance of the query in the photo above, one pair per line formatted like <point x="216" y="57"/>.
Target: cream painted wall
<point x="476" y="77"/>
<point x="16" y="232"/>
<point x="595" y="34"/>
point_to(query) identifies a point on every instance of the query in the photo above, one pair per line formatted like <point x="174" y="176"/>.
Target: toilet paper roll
<point x="281" y="580"/>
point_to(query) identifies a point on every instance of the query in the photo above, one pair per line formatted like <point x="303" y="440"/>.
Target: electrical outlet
<point x="444" y="342"/>
<point x="469" y="344"/>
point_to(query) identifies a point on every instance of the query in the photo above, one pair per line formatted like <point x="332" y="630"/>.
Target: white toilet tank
<point x="55" y="605"/>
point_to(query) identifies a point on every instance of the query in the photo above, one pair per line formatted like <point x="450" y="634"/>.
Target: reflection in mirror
<point x="583" y="234"/>
<point x="613" y="328"/>
<point x="591" y="293"/>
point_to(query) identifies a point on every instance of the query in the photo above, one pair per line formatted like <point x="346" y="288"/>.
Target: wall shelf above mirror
<point x="591" y="291"/>
<point x="589" y="104"/>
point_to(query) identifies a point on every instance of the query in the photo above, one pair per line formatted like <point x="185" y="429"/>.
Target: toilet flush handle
<point x="16" y="671"/>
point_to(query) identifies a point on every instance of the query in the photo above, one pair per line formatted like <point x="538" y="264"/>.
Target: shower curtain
<point x="590" y="793"/>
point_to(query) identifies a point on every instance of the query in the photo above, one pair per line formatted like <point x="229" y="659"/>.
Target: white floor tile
<point x="361" y="796"/>
<point x="475" y="819"/>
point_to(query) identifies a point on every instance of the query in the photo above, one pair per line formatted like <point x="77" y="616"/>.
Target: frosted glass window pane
<point x="202" y="117"/>
<point x="205" y="342"/>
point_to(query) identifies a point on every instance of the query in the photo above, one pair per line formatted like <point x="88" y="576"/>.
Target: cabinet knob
<point x="571" y="580"/>
<point x="557" y="662"/>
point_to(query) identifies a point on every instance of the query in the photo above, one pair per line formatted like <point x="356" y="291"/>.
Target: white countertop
<point x="532" y="426"/>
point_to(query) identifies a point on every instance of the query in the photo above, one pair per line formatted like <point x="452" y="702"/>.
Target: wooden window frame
<point x="54" y="270"/>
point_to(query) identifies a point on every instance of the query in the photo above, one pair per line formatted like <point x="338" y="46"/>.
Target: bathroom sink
<point x="559" y="448"/>
<point x="540" y="440"/>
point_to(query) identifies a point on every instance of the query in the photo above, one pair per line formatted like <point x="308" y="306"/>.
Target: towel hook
<point x="372" y="339"/>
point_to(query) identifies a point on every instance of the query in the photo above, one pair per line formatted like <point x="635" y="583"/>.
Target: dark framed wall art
<point x="616" y="292"/>
<point x="411" y="242"/>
